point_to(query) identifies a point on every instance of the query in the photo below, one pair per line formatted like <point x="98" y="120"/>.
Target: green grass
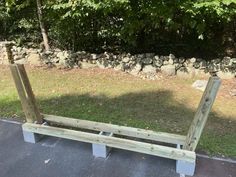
<point x="108" y="96"/>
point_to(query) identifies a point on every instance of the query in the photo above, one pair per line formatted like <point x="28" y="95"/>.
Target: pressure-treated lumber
<point x="202" y="113"/>
<point x="24" y="89"/>
<point x="116" y="129"/>
<point x="9" y="52"/>
<point x="21" y="93"/>
<point x="157" y="150"/>
<point x="25" y="93"/>
<point x="30" y="95"/>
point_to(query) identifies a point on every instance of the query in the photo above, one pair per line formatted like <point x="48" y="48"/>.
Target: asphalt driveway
<point x="55" y="157"/>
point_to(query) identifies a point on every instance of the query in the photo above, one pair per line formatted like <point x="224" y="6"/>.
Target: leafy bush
<point x="186" y="27"/>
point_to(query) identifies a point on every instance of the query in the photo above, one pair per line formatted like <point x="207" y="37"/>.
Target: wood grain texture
<point x="116" y="129"/>
<point x="120" y="143"/>
<point x="25" y="93"/>
<point x="30" y="95"/>
<point x="21" y="92"/>
<point x="202" y="113"/>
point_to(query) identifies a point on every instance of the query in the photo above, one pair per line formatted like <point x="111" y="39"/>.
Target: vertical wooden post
<point x="202" y="113"/>
<point x="35" y="113"/>
<point x="24" y="90"/>
<point x="9" y="52"/>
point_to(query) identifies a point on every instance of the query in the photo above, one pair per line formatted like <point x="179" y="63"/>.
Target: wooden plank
<point x="9" y="52"/>
<point x="202" y="113"/>
<point x="147" y="148"/>
<point x="21" y="93"/>
<point x="30" y="95"/>
<point x="116" y="129"/>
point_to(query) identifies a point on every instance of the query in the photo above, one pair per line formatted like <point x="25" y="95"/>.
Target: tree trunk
<point x="42" y="26"/>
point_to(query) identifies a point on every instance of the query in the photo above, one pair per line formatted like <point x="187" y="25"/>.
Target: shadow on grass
<point x="151" y="110"/>
<point x="154" y="110"/>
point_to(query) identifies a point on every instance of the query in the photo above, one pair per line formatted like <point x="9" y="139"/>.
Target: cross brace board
<point x="116" y="129"/>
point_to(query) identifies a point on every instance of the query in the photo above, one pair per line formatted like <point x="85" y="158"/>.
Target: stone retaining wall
<point x="146" y="65"/>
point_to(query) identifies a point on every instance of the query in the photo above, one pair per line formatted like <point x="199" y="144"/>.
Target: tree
<point x="42" y="25"/>
<point x="191" y="27"/>
<point x="15" y="5"/>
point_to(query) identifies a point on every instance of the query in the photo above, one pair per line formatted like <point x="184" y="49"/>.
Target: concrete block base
<point x="184" y="168"/>
<point x="30" y="137"/>
<point x="100" y="150"/>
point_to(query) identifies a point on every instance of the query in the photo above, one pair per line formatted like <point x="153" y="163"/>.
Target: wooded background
<point x="204" y="28"/>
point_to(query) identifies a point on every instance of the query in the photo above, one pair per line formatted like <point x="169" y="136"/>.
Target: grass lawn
<point x="167" y="104"/>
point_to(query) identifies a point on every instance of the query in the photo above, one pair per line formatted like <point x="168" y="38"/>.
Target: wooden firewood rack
<point x="86" y="131"/>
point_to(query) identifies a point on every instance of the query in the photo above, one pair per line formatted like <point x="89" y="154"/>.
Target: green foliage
<point x="3" y="19"/>
<point x="186" y="26"/>
<point x="21" y="23"/>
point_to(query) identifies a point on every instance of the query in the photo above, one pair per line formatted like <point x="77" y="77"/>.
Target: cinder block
<point x="30" y="137"/>
<point x="101" y="150"/>
<point x="185" y="168"/>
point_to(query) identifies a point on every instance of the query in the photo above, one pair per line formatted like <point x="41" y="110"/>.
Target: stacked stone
<point x="3" y="55"/>
<point x="146" y="65"/>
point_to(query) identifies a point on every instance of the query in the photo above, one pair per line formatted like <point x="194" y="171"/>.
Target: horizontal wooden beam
<point x="116" y="129"/>
<point x="147" y="148"/>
